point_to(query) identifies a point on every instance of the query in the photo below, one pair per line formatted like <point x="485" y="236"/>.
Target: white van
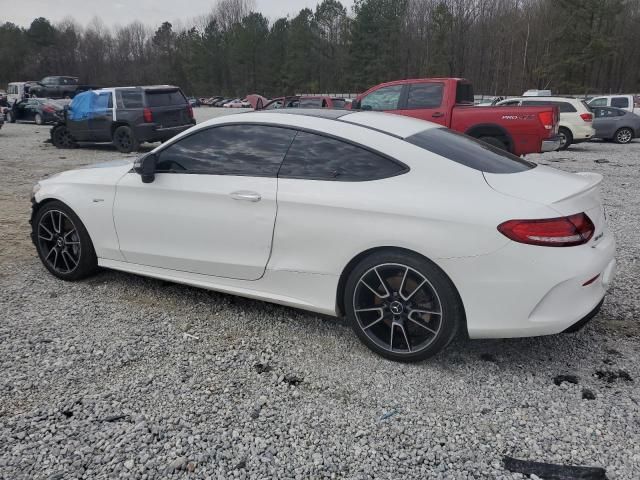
<point x="630" y="103"/>
<point x="15" y="92"/>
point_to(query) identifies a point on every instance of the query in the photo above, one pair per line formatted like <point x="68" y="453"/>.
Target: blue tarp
<point x="89" y="104"/>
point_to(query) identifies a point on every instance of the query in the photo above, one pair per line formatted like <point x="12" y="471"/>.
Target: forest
<point x="503" y="46"/>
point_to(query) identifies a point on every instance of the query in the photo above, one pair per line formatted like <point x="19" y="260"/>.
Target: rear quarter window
<point x="165" y="98"/>
<point x="620" y="102"/>
<point x="130" y="99"/>
<point x="468" y="151"/>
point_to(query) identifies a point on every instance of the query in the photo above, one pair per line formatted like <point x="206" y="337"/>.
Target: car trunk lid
<point x="566" y="193"/>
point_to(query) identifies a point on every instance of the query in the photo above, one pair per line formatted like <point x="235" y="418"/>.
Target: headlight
<point x="35" y="190"/>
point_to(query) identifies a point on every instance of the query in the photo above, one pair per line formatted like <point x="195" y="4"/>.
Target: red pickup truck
<point x="449" y="102"/>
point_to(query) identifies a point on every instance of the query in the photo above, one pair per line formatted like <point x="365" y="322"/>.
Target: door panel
<point x="206" y="224"/>
<point x="425" y="100"/>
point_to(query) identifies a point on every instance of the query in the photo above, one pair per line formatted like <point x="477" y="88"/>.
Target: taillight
<point x="550" y="232"/>
<point x="587" y="117"/>
<point x="190" y="111"/>
<point x="546" y="118"/>
<point x="148" y="115"/>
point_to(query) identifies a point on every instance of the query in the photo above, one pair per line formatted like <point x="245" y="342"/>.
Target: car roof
<point x="395" y="125"/>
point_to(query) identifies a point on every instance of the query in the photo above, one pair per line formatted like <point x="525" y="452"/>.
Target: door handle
<point x="437" y="115"/>
<point x="246" y="196"/>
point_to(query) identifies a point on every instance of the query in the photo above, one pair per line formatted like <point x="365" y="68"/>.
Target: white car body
<point x="630" y="103"/>
<point x="580" y="129"/>
<point x="293" y="246"/>
<point x="237" y="103"/>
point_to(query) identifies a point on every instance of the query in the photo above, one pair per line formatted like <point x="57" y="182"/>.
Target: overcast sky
<point x="149" y="12"/>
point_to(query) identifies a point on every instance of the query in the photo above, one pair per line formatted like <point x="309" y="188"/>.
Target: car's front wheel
<point x="402" y="306"/>
<point x="125" y="140"/>
<point x="63" y="243"/>
<point x="61" y="137"/>
<point x="623" y="135"/>
<point x="38" y="119"/>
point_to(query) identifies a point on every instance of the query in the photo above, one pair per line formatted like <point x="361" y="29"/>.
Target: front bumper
<point x="550" y="144"/>
<point x="525" y="291"/>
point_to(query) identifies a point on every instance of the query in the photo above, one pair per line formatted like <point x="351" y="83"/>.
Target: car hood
<point x="103" y="173"/>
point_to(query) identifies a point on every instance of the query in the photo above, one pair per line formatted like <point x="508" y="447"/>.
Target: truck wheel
<point x="38" y="119"/>
<point x="124" y="140"/>
<point x="61" y="137"/>
<point x="495" y="142"/>
<point x="566" y="138"/>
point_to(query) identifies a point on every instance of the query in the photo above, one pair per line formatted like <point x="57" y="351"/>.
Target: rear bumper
<point x="582" y="133"/>
<point x="151" y="132"/>
<point x="550" y="144"/>
<point x="527" y="291"/>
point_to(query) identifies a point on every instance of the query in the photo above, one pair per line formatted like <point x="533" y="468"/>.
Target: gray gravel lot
<point x="125" y="377"/>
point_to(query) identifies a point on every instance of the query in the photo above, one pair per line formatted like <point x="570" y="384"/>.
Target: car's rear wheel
<point x="402" y="306"/>
<point x="566" y="138"/>
<point x="125" y="140"/>
<point x="61" y="137"/>
<point x="38" y="119"/>
<point x="623" y="135"/>
<point x="63" y="243"/>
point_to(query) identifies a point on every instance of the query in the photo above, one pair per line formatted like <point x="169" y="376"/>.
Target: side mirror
<point x="145" y="166"/>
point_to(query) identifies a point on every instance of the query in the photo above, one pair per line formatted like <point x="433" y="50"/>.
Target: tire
<point x="38" y="119"/>
<point x="125" y="140"/>
<point x="495" y="142"/>
<point x="566" y="138"/>
<point x="61" y="137"/>
<point x="623" y="136"/>
<point x="9" y="117"/>
<point x="417" y="302"/>
<point x="63" y="243"/>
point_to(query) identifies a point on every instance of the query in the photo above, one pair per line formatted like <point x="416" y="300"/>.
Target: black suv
<point x="125" y="116"/>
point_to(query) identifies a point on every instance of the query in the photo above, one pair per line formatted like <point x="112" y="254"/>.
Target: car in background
<point x="281" y="102"/>
<point x="19" y="91"/>
<point x="615" y="124"/>
<point x="449" y="102"/>
<point x="194" y="102"/>
<point x="630" y="103"/>
<point x="209" y="101"/>
<point x="124" y="116"/>
<point x="38" y="110"/>
<point x="221" y="102"/>
<point x="318" y="101"/>
<point x="237" y="103"/>
<point x="412" y="231"/>
<point x="576" y="118"/>
<point x="58" y="87"/>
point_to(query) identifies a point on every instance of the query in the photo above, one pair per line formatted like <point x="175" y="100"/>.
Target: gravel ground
<point x="125" y="377"/>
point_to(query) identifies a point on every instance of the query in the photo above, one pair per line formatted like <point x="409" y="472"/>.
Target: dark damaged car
<point x="124" y="116"/>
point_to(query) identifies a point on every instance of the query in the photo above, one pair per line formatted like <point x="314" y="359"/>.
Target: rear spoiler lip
<point x="594" y="179"/>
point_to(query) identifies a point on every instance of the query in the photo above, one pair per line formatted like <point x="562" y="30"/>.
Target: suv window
<point x="469" y="151"/>
<point x="251" y="150"/>
<point x="620" y="102"/>
<point x="165" y="98"/>
<point x="316" y="157"/>
<point x="425" y="95"/>
<point x="385" y="98"/>
<point x="129" y="99"/>
<point x="564" y="107"/>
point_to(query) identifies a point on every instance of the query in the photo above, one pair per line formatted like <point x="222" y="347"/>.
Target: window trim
<point x="404" y="167"/>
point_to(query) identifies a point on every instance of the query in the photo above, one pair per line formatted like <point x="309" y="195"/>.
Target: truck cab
<point x="450" y="102"/>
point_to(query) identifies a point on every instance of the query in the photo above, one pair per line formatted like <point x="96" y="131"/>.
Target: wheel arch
<point x="346" y="271"/>
<point x="119" y="123"/>
<point x="492" y="130"/>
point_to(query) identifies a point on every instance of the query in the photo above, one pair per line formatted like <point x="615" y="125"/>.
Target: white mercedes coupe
<point x="413" y="232"/>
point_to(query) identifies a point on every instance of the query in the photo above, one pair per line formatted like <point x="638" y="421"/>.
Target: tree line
<point x="503" y="46"/>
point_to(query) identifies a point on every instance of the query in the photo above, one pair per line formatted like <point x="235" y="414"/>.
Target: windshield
<point x="468" y="151"/>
